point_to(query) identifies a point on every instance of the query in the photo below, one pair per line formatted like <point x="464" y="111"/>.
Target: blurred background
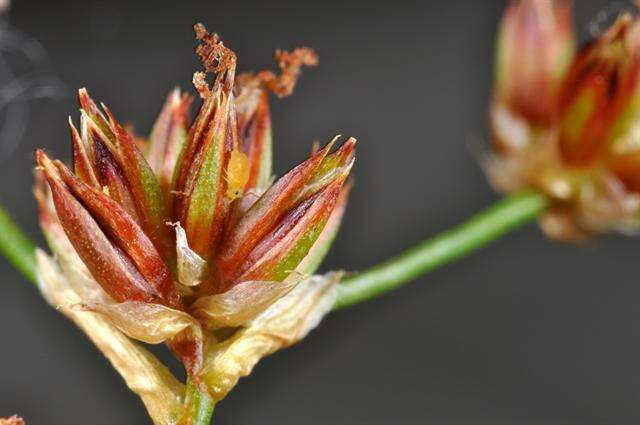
<point x="524" y="332"/>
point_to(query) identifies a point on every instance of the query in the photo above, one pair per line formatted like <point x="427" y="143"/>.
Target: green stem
<point x="199" y="406"/>
<point x="480" y="230"/>
<point x="17" y="247"/>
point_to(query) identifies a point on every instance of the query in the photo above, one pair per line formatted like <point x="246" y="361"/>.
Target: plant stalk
<point x="451" y="245"/>
<point x="198" y="405"/>
<point x="17" y="247"/>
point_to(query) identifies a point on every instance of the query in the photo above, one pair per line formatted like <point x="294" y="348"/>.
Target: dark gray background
<point x="523" y="332"/>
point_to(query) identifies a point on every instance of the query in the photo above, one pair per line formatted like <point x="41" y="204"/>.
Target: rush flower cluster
<point x="185" y="238"/>
<point x="567" y="122"/>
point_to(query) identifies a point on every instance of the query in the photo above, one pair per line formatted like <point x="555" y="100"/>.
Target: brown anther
<point x="290" y="64"/>
<point x="215" y="57"/>
<point x="201" y="85"/>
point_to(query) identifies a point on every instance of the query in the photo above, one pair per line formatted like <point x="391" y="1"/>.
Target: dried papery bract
<point x="144" y="374"/>
<point x="585" y="156"/>
<point x="185" y="238"/>
<point x="284" y="323"/>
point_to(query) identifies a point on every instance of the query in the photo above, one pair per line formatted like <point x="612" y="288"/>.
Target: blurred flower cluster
<point x="566" y="121"/>
<point x="13" y="420"/>
<point x="185" y="238"/>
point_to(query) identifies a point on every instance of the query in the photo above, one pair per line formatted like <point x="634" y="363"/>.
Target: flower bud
<point x="254" y="131"/>
<point x="599" y="98"/>
<point x="124" y="171"/>
<point x="168" y="136"/>
<point x="534" y="48"/>
<point x="278" y="231"/>
<point x="124" y="260"/>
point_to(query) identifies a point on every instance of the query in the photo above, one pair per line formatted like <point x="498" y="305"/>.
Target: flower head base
<point x="586" y="155"/>
<point x="185" y="239"/>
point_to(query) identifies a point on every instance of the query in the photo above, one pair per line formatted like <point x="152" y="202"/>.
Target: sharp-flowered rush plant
<point x="186" y="238"/>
